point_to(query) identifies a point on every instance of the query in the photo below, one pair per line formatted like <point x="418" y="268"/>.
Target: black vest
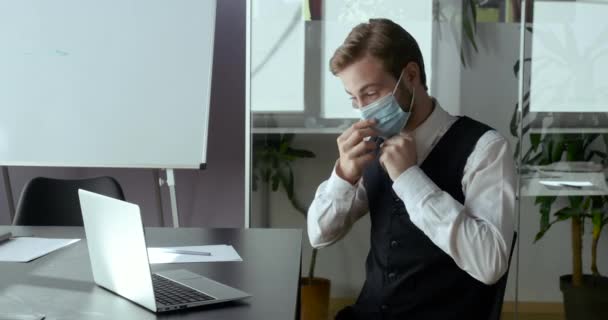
<point x="407" y="275"/>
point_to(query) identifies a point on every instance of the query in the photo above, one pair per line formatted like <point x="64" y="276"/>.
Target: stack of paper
<point x="25" y="249"/>
<point x="189" y="254"/>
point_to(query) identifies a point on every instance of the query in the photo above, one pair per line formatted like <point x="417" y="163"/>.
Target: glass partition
<point x="563" y="128"/>
<point x="540" y="84"/>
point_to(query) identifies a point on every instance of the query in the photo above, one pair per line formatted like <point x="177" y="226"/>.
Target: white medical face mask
<point x="391" y="117"/>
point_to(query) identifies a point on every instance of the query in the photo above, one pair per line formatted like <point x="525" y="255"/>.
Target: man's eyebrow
<point x="373" y="84"/>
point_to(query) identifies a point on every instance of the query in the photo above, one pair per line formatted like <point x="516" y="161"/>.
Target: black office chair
<point x="502" y="285"/>
<point x="54" y="202"/>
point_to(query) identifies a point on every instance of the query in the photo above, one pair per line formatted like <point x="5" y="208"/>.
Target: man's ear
<point x="411" y="74"/>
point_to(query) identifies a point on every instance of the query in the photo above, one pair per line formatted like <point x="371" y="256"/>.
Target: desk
<point x="60" y="285"/>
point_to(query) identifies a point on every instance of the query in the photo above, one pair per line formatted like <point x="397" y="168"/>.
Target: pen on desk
<point x="195" y="253"/>
<point x="570" y="185"/>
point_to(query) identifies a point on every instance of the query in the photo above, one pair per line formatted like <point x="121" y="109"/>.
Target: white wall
<point x="488" y="93"/>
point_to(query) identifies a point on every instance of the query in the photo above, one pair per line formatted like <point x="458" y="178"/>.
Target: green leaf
<point x="516" y="66"/>
<point x="254" y="182"/>
<point x="575" y="201"/>
<point x="586" y="204"/>
<point x="536" y="159"/>
<point x="574" y="150"/>
<point x="266" y="175"/>
<point x="588" y="139"/>
<point x="597" y="216"/>
<point x="275" y="162"/>
<point x="558" y="150"/>
<point x="271" y="141"/>
<point x="514" y="125"/>
<point x="283" y="147"/>
<point x="462" y="60"/>
<point x="545" y="211"/>
<point x="546" y="151"/>
<point x="596" y="153"/>
<point x="545" y="200"/>
<point x="539" y="235"/>
<point x="526" y="105"/>
<point x="516" y="152"/>
<point x="535" y="140"/>
<point x="597" y="202"/>
<point x="275" y="181"/>
<point x="287" y="182"/>
<point x="290" y="183"/>
<point x="298" y="153"/>
<point x="287" y="158"/>
<point x="287" y="138"/>
<point x="596" y="219"/>
<point x="468" y="29"/>
<point x="473" y="8"/>
<point x="565" y="213"/>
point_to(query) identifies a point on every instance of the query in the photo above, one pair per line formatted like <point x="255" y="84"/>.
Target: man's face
<point x="366" y="81"/>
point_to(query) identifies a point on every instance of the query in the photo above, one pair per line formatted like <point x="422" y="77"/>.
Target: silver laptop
<point x="119" y="259"/>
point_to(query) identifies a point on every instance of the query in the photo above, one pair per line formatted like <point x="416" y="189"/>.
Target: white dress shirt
<point x="477" y="235"/>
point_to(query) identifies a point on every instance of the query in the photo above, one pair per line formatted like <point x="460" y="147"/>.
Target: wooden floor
<point x="337" y="304"/>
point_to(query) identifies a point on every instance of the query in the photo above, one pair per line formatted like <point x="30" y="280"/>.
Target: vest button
<point x="397" y="199"/>
<point x="394" y="243"/>
<point x="384" y="307"/>
<point x="392" y="275"/>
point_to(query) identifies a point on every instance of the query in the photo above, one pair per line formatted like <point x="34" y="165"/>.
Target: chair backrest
<point x="54" y="202"/>
<point x="501" y="286"/>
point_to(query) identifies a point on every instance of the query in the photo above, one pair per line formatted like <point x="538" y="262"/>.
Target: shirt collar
<point x="428" y="133"/>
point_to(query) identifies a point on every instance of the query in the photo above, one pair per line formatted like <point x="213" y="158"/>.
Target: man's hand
<point x="355" y="152"/>
<point x="398" y="154"/>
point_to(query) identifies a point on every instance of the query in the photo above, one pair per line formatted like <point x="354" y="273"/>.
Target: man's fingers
<point x="364" y="123"/>
<point x="381" y="160"/>
<point x="344" y="136"/>
<point x="358" y="136"/>
<point x="362" y="148"/>
<point x="364" y="160"/>
<point x="398" y="139"/>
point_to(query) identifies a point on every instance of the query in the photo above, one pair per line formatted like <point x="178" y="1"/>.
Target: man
<point x="439" y="188"/>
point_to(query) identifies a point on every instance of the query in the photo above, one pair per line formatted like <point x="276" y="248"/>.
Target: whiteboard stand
<point x="159" y="197"/>
<point x="9" y="192"/>
<point x="170" y="182"/>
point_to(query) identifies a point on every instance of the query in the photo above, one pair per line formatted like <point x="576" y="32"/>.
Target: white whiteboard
<point x="105" y="83"/>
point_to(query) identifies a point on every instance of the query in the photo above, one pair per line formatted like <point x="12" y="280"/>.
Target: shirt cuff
<point x="338" y="187"/>
<point x="413" y="186"/>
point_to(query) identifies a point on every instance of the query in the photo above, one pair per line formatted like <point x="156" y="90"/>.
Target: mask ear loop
<point x="398" y="81"/>
<point x="412" y="100"/>
<point x="413" y="91"/>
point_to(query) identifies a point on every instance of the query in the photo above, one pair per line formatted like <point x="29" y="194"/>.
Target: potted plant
<point x="272" y="160"/>
<point x="585" y="295"/>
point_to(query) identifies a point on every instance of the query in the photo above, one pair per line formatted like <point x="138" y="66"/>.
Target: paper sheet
<point x="218" y="253"/>
<point x="26" y="249"/>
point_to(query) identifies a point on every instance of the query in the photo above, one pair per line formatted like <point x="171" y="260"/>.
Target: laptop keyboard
<point x="169" y="292"/>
